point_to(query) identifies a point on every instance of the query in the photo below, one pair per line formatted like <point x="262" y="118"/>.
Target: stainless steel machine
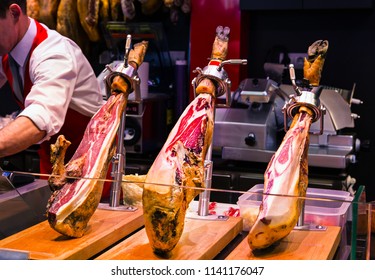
<point x="249" y="133"/>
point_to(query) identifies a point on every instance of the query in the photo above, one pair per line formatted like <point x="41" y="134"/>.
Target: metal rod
<point x="232" y="61"/>
<point x="301" y="218"/>
<point x="127" y="49"/>
<point x="118" y="166"/>
<point x="204" y="197"/>
<point x="292" y="74"/>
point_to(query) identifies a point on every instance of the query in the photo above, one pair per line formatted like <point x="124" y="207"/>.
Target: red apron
<point x="75" y="123"/>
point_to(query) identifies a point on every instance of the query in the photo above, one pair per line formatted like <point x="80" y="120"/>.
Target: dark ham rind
<point x="71" y="208"/>
<point x="180" y="163"/>
<point x="313" y="64"/>
<point x="286" y="174"/>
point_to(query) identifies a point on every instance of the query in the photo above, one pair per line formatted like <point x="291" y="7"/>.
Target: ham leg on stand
<point x="178" y="166"/>
<point x="180" y="163"/>
<point x="178" y="173"/>
<point x="78" y="185"/>
<point x="286" y="176"/>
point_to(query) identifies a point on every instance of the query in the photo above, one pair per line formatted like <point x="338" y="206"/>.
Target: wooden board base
<point x="298" y="245"/>
<point x="104" y="229"/>
<point x="201" y="240"/>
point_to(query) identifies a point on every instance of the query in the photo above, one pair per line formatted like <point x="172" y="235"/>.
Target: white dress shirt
<point x="62" y="78"/>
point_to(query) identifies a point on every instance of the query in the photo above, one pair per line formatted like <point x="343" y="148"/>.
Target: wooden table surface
<point x="201" y="240"/>
<point x="298" y="245"/>
<point x="105" y="228"/>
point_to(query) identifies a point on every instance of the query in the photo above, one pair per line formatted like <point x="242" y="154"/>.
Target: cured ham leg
<point x="88" y="12"/>
<point x="73" y="204"/>
<point x="180" y="163"/>
<point x="286" y="174"/>
<point x="33" y="8"/>
<point x="78" y="185"/>
<point x="48" y="12"/>
<point x="286" y="177"/>
<point x="68" y="24"/>
<point x="179" y="166"/>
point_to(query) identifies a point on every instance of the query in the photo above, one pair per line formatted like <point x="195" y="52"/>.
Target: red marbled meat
<point x="179" y="164"/>
<point x="189" y="130"/>
<point x="71" y="207"/>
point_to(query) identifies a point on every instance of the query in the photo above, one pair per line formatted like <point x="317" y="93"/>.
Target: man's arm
<point x="18" y="136"/>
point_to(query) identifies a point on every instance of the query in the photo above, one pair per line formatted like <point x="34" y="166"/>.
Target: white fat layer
<point x="163" y="171"/>
<point x="285" y="176"/>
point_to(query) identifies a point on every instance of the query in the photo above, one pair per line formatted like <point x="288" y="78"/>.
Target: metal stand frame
<point x="130" y="74"/>
<point x="310" y="99"/>
<point x="215" y="72"/>
<point x="301" y="222"/>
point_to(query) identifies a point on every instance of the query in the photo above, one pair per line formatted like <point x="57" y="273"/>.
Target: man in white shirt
<point x="56" y="87"/>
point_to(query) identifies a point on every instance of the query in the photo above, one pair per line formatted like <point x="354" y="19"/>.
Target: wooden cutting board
<point x="201" y="240"/>
<point x="298" y="245"/>
<point x="104" y="229"/>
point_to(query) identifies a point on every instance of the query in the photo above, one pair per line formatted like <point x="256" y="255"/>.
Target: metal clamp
<point x="127" y="72"/>
<point x="215" y="72"/>
<point x="308" y="98"/>
<point x="130" y="75"/>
